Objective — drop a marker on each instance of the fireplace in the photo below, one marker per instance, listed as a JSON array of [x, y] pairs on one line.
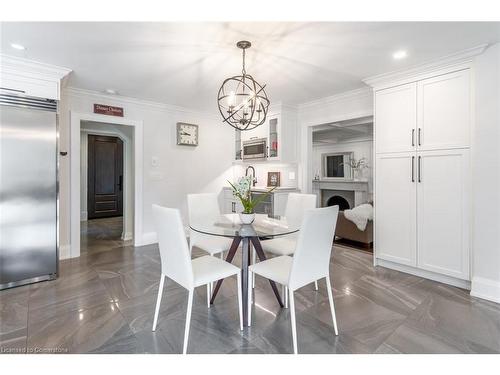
[[333, 197], [337, 200], [353, 191]]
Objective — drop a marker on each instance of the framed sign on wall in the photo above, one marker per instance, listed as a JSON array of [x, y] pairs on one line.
[[273, 179]]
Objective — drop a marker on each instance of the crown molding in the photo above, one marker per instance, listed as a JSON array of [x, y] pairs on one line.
[[347, 95], [164, 107], [397, 76], [26, 67]]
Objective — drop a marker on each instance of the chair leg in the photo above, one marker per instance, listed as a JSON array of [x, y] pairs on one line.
[[249, 312], [211, 284], [332, 305], [209, 294], [254, 259], [158, 301], [294, 326], [188, 321], [240, 302], [222, 255], [284, 295], [316, 285]]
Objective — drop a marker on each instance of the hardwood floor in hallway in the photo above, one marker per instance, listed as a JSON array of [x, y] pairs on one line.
[[102, 234], [103, 302]]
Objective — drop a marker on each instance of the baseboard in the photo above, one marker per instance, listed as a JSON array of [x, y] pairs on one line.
[[147, 239], [486, 289], [64, 252], [127, 236], [84, 216], [464, 284]]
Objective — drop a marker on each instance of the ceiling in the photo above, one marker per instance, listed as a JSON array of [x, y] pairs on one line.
[[343, 131], [185, 63]]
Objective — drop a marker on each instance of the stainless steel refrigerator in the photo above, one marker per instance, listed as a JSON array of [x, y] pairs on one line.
[[28, 189]]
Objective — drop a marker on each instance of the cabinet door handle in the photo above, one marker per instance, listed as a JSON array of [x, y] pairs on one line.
[[413, 169], [412, 137], [419, 136], [419, 169], [233, 206]]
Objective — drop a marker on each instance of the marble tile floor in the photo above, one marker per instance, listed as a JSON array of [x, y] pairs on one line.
[[103, 302]]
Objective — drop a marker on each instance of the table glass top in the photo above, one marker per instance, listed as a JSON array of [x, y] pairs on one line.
[[230, 226]]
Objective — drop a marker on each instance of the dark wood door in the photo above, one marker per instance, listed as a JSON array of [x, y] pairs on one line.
[[105, 176]]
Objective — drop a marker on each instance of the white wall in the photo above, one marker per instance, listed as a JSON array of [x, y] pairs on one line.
[[486, 171], [181, 169], [349, 105], [359, 148]]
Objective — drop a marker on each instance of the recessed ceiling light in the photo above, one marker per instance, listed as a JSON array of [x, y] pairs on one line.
[[111, 92], [18, 46], [398, 55]]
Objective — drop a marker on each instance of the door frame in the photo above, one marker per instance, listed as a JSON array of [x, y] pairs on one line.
[[75, 125]]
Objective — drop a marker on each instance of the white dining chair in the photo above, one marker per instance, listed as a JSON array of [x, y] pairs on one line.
[[204, 207], [177, 265], [296, 205], [310, 262]]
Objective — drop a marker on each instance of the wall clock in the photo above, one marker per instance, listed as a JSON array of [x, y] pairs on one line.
[[187, 134]]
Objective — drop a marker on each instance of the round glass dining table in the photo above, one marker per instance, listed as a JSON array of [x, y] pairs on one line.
[[230, 226]]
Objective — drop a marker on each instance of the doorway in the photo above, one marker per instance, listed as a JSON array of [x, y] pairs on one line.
[[106, 192], [133, 196]]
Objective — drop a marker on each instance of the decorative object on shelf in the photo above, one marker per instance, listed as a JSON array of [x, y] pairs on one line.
[[273, 179], [187, 134], [357, 166], [242, 101], [242, 191]]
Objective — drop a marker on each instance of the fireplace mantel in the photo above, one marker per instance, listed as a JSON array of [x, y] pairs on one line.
[[358, 190], [349, 185]]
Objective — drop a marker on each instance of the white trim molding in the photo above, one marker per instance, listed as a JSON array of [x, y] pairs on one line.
[[149, 238], [75, 210], [486, 289], [127, 236], [120, 100], [352, 94], [31, 68], [64, 252], [464, 284], [459, 60]]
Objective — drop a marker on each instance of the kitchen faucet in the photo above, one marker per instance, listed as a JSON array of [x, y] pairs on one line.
[[254, 180]]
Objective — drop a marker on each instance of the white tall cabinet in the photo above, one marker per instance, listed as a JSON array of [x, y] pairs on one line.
[[422, 175]]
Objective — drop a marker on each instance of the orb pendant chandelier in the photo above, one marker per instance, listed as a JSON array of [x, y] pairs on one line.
[[242, 101]]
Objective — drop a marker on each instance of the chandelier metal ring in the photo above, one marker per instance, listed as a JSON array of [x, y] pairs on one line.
[[242, 101]]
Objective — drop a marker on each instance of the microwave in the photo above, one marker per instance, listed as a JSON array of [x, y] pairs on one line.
[[254, 149]]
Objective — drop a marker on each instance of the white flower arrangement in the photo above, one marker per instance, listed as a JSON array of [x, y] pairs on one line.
[[242, 190]]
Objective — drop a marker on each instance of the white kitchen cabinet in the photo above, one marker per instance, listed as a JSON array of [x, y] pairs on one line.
[[395, 208], [443, 212], [422, 208], [396, 118], [31, 87], [280, 132], [258, 132], [444, 111]]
